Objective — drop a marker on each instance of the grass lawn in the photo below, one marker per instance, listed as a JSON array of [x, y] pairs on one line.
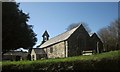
[[109, 61]]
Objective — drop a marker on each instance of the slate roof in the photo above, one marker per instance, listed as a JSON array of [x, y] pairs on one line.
[[59, 38], [39, 51], [96, 37], [16, 53]]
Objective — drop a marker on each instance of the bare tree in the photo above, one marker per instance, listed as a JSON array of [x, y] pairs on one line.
[[73, 25], [118, 28], [110, 36], [119, 32], [103, 33]]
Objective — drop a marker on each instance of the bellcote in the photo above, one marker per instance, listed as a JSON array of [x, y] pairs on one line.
[[45, 36]]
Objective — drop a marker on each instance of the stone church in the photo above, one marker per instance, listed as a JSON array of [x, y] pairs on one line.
[[71, 43]]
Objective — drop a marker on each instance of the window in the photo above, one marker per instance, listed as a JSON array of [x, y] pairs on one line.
[[82, 43], [33, 57], [51, 49]]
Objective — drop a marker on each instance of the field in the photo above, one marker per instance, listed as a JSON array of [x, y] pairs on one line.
[[104, 61]]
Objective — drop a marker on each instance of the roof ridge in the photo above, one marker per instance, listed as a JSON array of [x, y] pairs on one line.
[[63, 33], [60, 37]]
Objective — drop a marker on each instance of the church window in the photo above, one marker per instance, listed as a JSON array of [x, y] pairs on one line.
[[51, 49], [33, 57]]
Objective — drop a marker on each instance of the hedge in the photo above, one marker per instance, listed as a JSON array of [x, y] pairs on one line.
[[104, 61]]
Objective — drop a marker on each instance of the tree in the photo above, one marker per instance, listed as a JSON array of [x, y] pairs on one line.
[[119, 32], [110, 36], [73, 25], [117, 22], [16, 33]]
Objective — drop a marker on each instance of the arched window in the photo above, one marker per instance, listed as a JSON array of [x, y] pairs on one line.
[[82, 44], [51, 49], [33, 57]]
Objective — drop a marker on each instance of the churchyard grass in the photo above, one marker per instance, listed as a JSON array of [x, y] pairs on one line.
[[108, 60]]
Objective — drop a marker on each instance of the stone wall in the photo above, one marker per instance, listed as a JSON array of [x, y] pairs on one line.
[[56, 50], [78, 42], [96, 44], [33, 55]]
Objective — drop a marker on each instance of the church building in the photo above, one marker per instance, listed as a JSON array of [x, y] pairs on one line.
[[71, 43]]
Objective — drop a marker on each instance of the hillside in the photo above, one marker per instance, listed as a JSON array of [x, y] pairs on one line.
[[104, 61]]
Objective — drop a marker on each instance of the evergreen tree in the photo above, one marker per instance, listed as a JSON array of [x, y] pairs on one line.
[[16, 33]]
